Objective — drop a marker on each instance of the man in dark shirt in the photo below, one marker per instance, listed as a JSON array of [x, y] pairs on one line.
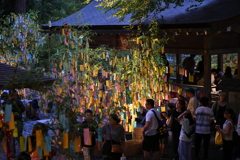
[[18, 109], [92, 125]]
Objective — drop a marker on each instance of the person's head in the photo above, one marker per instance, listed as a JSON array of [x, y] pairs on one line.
[[228, 70], [162, 117], [180, 97], [113, 119], [192, 55], [88, 114], [40, 126], [204, 101], [5, 96], [13, 94], [171, 107], [180, 105], [149, 104], [222, 97], [236, 72], [190, 92], [189, 117], [229, 114], [213, 71]]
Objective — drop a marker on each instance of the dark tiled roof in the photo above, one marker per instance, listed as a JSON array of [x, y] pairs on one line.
[[209, 11], [229, 84], [24, 78]]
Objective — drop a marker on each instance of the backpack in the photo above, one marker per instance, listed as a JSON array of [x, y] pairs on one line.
[[161, 128]]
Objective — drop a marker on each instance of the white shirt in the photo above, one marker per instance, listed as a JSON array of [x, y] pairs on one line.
[[230, 137], [186, 128], [203, 116], [192, 105], [152, 129], [212, 78]]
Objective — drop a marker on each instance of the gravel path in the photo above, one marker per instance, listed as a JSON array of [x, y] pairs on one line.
[[214, 152]]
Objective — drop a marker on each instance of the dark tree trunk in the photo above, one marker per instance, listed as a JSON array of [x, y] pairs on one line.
[[14, 6], [20, 6]]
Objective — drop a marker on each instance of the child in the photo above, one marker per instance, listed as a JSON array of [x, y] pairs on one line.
[[185, 143], [88, 150], [163, 139]]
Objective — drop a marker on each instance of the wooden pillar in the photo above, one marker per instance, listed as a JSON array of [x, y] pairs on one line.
[[178, 61], [114, 43], [207, 67], [20, 6], [220, 61], [238, 76]]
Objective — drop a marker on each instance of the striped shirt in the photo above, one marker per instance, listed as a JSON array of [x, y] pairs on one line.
[[203, 116]]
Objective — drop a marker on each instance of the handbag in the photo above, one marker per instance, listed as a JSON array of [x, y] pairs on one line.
[[116, 148], [218, 139]]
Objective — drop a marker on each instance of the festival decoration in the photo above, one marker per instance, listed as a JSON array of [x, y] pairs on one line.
[[104, 80]]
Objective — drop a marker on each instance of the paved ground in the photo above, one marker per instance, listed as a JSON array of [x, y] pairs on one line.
[[214, 152]]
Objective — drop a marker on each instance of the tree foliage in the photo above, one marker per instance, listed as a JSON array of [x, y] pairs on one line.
[[47, 9], [140, 9]]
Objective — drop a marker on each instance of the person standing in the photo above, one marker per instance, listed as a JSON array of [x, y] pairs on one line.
[[219, 107], [204, 117], [18, 109], [227, 132], [184, 147], [88, 149], [228, 73], [114, 134], [164, 138], [175, 126], [213, 74], [192, 106], [150, 133], [193, 102]]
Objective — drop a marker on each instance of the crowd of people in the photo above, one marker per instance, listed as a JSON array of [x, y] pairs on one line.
[[198, 71], [189, 121]]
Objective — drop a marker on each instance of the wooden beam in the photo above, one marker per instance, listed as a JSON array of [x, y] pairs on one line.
[[224, 50], [220, 61], [207, 67], [184, 51], [222, 25]]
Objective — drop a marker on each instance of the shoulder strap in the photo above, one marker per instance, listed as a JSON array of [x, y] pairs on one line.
[[156, 117], [155, 114]]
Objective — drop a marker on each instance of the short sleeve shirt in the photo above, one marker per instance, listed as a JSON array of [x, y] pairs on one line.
[[203, 116], [116, 134], [153, 126], [186, 128], [192, 105]]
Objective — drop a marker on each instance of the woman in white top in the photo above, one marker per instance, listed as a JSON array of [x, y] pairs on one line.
[[185, 138], [227, 132]]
